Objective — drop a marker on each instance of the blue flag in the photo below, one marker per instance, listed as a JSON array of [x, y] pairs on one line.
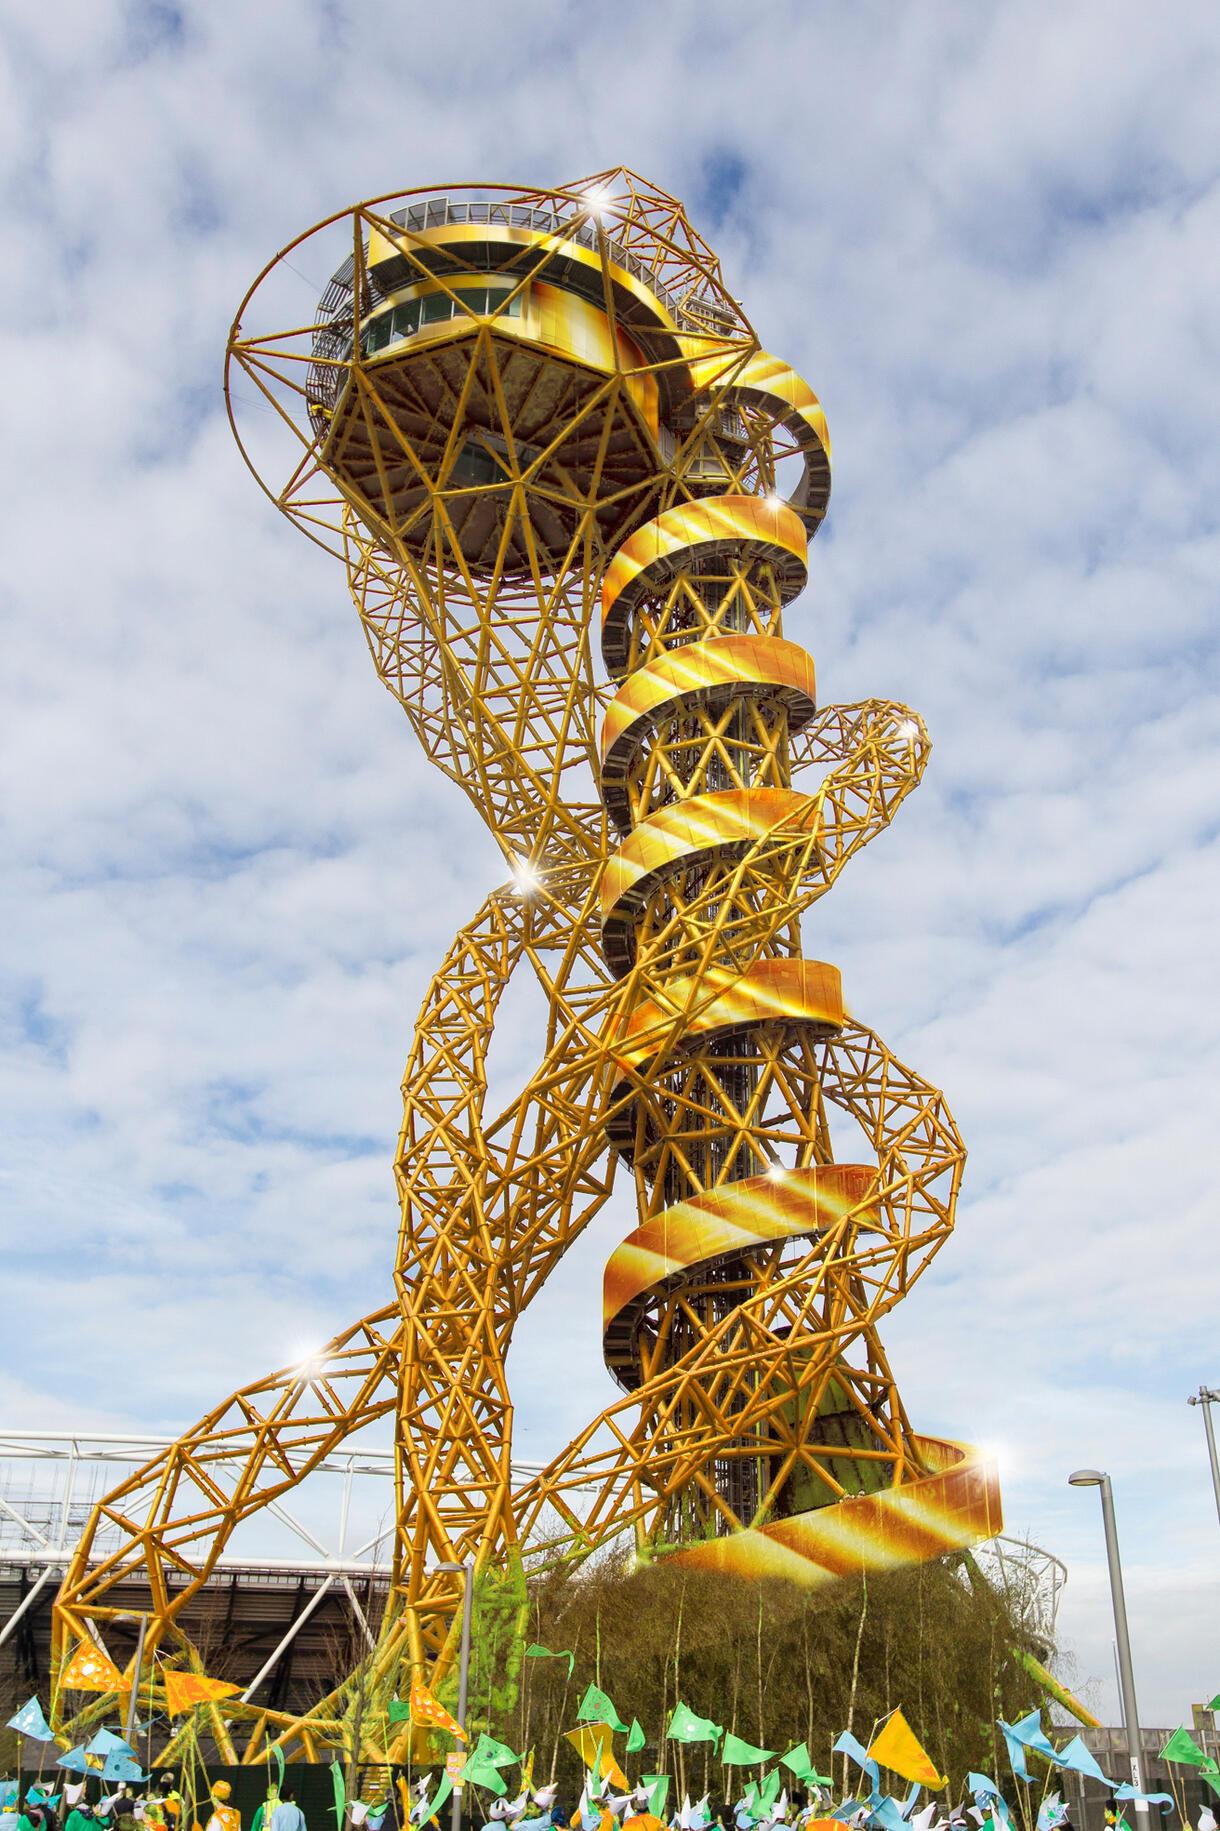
[[122, 1767], [1077, 1757], [105, 1742], [887, 1812], [76, 1761], [980, 1786], [1029, 1732], [847, 1745], [29, 1721], [1016, 1750], [1127, 1791]]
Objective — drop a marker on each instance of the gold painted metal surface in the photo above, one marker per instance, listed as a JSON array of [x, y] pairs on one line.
[[692, 835], [510, 409], [762, 531], [700, 681]]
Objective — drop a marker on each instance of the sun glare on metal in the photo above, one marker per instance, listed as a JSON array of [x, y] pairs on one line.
[[599, 198]]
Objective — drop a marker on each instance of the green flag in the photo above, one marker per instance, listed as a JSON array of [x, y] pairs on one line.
[[398, 1711], [1182, 1748], [485, 1760], [798, 1763], [685, 1726], [595, 1707], [440, 1796], [475, 1774], [340, 1790], [490, 1753], [658, 1793], [536, 1652], [736, 1753], [636, 1738], [1215, 1703], [769, 1791], [484, 1773], [278, 1752]]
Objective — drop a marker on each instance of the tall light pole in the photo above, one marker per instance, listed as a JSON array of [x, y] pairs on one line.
[[467, 1570], [1207, 1396], [1096, 1478]]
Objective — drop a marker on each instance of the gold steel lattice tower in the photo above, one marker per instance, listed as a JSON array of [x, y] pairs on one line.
[[521, 417]]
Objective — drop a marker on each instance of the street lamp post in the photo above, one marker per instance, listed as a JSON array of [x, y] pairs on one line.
[[1096, 1478], [1207, 1396], [467, 1570]]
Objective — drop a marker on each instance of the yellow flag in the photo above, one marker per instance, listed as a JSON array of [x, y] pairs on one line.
[[89, 1669], [593, 1742], [898, 1748], [183, 1690], [428, 1710]]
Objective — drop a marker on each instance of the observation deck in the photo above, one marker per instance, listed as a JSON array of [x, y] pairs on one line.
[[500, 344]]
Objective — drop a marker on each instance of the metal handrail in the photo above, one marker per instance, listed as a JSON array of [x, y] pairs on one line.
[[335, 337]]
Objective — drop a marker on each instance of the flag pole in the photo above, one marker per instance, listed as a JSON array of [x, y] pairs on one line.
[[134, 1698]]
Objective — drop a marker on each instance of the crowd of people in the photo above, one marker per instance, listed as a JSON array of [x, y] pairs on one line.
[[599, 1808]]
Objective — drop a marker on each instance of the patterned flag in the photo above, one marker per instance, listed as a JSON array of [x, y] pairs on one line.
[[89, 1669], [595, 1707], [427, 1710], [29, 1721], [183, 1690], [898, 1748], [122, 1767], [685, 1726]]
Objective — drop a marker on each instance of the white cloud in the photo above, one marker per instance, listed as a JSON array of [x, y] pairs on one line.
[[989, 237]]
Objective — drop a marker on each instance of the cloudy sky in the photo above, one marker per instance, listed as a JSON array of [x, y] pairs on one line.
[[989, 235]]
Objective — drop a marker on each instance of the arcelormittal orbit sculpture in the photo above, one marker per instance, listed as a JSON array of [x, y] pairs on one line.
[[525, 420]]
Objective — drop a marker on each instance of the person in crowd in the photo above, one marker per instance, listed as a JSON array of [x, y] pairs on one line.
[[287, 1815], [224, 1817], [81, 1817], [263, 1813]]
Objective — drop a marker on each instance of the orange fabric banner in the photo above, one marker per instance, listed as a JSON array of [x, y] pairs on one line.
[[425, 1709], [593, 1742], [89, 1669], [897, 1747], [183, 1690]]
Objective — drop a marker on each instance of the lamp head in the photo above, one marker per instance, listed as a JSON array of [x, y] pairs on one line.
[[1086, 1478]]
